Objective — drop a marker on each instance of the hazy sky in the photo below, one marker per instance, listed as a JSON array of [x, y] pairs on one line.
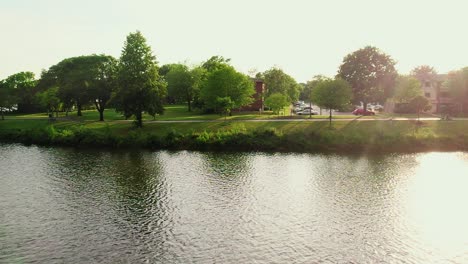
[[303, 37]]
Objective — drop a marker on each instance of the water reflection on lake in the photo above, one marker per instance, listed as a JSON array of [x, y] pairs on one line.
[[85, 206]]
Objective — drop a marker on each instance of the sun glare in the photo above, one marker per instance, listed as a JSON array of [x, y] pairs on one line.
[[436, 203]]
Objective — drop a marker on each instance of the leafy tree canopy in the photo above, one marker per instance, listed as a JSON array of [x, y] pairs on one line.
[[371, 74], [276, 102], [331, 94], [224, 105], [309, 86], [77, 79], [276, 81], [215, 63], [420, 103], [227, 82], [21, 86], [49, 99], [407, 88], [457, 84], [424, 72], [140, 86], [184, 84], [7, 97]]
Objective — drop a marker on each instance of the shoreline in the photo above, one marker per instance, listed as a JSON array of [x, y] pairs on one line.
[[306, 137]]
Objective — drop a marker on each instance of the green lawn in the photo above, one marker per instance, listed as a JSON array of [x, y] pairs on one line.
[[290, 135], [180, 113]]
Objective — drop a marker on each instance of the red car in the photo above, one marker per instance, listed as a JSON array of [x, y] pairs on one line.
[[360, 111]]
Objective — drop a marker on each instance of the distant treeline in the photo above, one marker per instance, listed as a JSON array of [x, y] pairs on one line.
[[134, 84]]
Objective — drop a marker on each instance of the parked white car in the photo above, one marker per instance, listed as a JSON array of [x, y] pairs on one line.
[[307, 112]]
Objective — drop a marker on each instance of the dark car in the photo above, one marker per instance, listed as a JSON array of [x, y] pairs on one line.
[[360, 111]]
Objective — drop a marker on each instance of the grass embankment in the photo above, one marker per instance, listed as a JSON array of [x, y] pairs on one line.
[[299, 136]]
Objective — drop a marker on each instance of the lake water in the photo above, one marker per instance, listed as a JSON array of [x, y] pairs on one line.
[[63, 205]]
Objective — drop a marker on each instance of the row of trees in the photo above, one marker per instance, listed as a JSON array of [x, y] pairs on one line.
[[134, 84]]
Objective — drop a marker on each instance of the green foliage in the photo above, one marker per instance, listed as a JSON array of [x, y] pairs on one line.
[[249, 136], [306, 92], [7, 97], [140, 86], [227, 82], [215, 63], [277, 102], [331, 94], [406, 89], [424, 73], [82, 80], [49, 99], [224, 105], [277, 81], [371, 74], [183, 84], [21, 85], [102, 82], [457, 84], [420, 103]]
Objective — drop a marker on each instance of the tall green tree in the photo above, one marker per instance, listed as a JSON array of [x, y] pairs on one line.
[[420, 104], [457, 84], [307, 87], [82, 80], [140, 86], [331, 94], [424, 72], [227, 82], [277, 102], [214, 63], [277, 81], [7, 97], [306, 93], [103, 82], [371, 74], [163, 70], [23, 86], [407, 88], [224, 105], [183, 83], [49, 100]]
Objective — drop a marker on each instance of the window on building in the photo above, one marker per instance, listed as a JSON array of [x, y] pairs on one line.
[[427, 84], [428, 95], [444, 94]]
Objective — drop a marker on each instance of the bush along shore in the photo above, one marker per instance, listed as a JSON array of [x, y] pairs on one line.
[[369, 136]]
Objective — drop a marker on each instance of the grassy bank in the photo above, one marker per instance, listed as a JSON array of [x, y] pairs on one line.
[[296, 136], [177, 113]]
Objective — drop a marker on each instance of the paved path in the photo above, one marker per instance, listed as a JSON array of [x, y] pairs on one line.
[[296, 120], [268, 120]]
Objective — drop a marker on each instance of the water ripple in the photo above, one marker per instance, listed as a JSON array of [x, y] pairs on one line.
[[86, 206]]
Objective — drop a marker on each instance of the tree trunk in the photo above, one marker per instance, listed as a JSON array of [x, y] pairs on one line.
[[3, 116], [56, 113], [78, 106], [364, 107], [139, 119], [101, 115], [330, 116], [100, 109], [310, 113], [189, 106]]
